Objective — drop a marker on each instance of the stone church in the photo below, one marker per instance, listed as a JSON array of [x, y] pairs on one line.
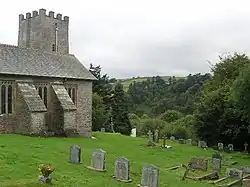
[[44, 89]]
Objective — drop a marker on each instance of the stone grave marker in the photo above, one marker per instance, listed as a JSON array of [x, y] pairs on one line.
[[245, 146], [122, 169], [150, 175], [156, 136], [194, 143], [217, 155], [172, 138], [75, 154], [233, 172], [199, 164], [230, 147], [181, 141], [98, 162], [202, 144], [150, 139], [189, 141], [216, 164], [220, 146], [246, 183], [102, 129]]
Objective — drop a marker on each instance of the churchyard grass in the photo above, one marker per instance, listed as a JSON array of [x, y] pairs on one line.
[[20, 157]]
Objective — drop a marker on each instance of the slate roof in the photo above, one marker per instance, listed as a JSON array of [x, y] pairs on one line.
[[64, 98], [31, 62], [32, 99]]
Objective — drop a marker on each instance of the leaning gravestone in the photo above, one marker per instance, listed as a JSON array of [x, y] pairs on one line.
[[235, 173], [230, 147], [199, 164], [220, 146], [202, 144], [75, 154], [150, 175], [122, 170], [246, 183], [156, 136], [181, 141], [102, 129], [189, 141], [150, 139], [98, 160], [172, 138]]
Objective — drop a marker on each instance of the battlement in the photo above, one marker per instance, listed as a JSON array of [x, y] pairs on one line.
[[41, 13]]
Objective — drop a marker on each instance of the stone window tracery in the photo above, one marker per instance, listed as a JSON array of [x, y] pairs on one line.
[[6, 97], [43, 93]]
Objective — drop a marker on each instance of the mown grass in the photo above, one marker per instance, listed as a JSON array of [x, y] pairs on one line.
[[20, 157], [126, 82]]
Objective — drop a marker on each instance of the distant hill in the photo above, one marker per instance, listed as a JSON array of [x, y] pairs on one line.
[[126, 82]]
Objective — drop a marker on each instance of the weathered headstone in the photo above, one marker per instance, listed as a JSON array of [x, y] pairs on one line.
[[172, 138], [133, 132], [199, 164], [150, 139], [98, 160], [150, 175], [122, 169], [181, 141], [189, 141], [102, 129], [216, 164], [246, 145], [202, 144], [230, 147], [75, 154], [194, 143], [156, 136], [235, 173], [246, 183], [220, 146]]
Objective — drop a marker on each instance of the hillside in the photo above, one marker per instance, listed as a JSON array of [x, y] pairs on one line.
[[21, 156], [126, 82]]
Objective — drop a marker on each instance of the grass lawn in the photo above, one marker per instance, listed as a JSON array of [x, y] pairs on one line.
[[20, 157]]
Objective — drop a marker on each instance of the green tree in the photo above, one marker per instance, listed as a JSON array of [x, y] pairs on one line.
[[171, 116], [120, 111]]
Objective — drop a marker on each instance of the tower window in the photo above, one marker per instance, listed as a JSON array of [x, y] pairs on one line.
[[53, 47]]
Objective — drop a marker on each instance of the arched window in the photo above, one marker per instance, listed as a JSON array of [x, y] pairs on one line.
[[40, 92], [45, 96], [3, 99], [9, 99], [73, 95]]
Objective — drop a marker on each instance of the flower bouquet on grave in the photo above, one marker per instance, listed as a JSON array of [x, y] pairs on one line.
[[46, 170]]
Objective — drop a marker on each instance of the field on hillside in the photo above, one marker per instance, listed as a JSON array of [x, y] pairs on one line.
[[128, 81], [20, 157]]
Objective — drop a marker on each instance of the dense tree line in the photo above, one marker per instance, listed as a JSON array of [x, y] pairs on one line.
[[213, 107]]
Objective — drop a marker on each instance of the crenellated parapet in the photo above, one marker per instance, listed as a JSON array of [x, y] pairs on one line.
[[42, 13]]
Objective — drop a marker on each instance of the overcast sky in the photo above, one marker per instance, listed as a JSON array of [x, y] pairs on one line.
[[144, 37]]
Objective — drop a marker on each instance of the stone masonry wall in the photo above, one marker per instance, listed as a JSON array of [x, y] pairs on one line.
[[84, 109]]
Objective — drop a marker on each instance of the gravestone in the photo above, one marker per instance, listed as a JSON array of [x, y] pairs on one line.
[[172, 138], [194, 143], [102, 129], [235, 173], [181, 141], [246, 183], [189, 141], [220, 146], [202, 144], [156, 136], [217, 155], [216, 164], [133, 132], [199, 164], [230, 147], [150, 139], [122, 170], [75, 154], [98, 160], [150, 175], [246, 145]]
